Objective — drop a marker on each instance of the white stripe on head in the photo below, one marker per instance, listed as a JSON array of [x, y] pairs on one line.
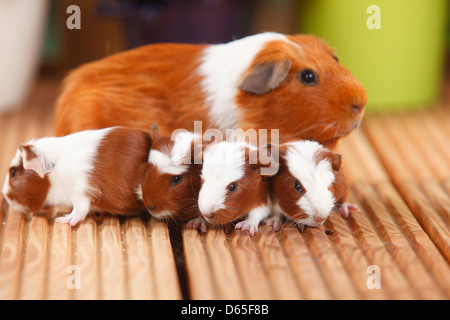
[[14, 163], [315, 178], [223, 163], [174, 160]]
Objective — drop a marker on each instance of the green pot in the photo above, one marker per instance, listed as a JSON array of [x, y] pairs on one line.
[[400, 64]]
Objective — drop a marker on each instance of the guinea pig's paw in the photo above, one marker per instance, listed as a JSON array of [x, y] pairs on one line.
[[346, 207], [197, 223], [64, 219], [275, 222], [249, 226], [71, 219]]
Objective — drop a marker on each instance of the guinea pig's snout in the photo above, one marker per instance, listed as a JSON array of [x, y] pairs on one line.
[[151, 209]]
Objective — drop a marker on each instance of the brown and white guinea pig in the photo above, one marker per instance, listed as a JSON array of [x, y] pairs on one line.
[[268, 80], [308, 185], [234, 185], [172, 179], [93, 170]]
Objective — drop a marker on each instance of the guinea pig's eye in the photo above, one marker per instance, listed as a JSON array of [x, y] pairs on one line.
[[176, 180], [12, 172], [298, 186], [232, 187], [308, 77]]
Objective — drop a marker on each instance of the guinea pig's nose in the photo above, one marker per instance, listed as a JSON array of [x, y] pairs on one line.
[[152, 209]]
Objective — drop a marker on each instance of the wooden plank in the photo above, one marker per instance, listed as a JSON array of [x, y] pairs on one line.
[[360, 161], [418, 239], [139, 274], [405, 179], [430, 221], [282, 279], [112, 271], [86, 260], [11, 256], [199, 274], [33, 275], [60, 260], [393, 281], [398, 245], [304, 265], [165, 272], [336, 277], [438, 135], [352, 256], [227, 282], [438, 197], [423, 145], [251, 268]]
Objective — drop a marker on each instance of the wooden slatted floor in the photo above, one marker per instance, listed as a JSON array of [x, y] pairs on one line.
[[398, 168]]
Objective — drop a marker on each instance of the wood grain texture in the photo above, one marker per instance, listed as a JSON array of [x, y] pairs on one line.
[[398, 170]]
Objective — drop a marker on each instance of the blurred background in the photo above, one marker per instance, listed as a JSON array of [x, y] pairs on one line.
[[398, 50]]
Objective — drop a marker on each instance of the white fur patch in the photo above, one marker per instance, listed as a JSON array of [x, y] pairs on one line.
[[222, 68], [73, 156], [138, 192], [316, 178], [223, 163], [162, 214], [6, 188], [72, 159], [174, 161]]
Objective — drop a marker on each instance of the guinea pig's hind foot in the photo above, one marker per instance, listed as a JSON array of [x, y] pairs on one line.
[[345, 208]]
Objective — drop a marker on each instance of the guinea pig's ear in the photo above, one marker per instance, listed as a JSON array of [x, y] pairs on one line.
[[336, 160], [35, 162], [154, 131], [265, 76]]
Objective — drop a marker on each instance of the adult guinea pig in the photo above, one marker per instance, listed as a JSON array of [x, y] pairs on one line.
[[172, 179], [93, 170], [234, 185], [264, 81], [308, 185]]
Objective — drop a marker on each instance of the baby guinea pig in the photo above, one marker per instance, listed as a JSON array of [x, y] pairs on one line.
[[234, 185], [172, 179], [94, 170], [308, 185], [267, 80]]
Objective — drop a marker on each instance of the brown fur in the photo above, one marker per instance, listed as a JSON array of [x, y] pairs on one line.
[[27, 188], [283, 193], [252, 191], [320, 112], [136, 88], [119, 168], [158, 192], [159, 84]]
